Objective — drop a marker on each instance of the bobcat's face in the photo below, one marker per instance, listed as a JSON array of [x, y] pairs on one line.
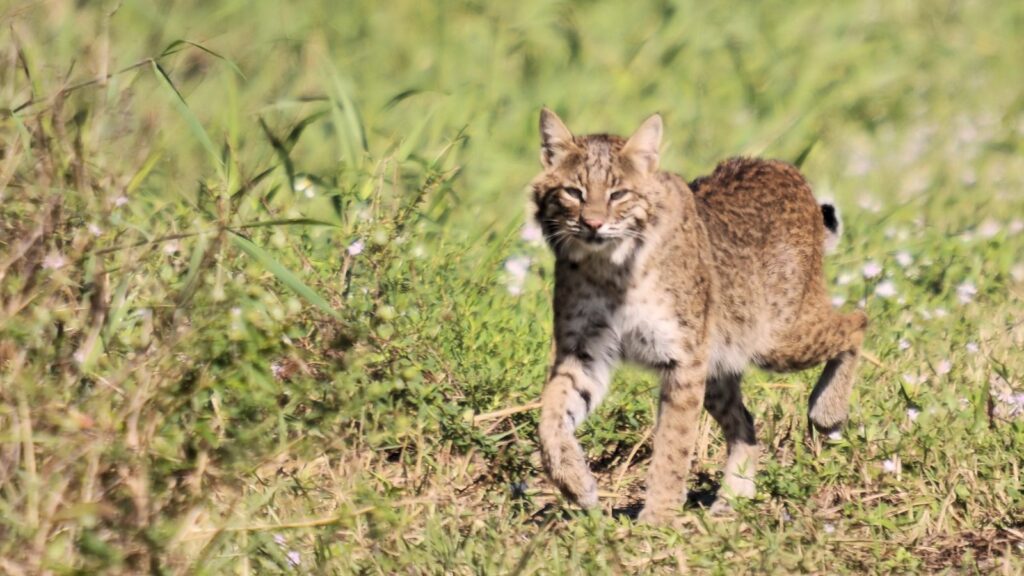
[[593, 193]]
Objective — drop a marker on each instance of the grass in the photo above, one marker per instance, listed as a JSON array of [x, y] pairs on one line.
[[255, 315]]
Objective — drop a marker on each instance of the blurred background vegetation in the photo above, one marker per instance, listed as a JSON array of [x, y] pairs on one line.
[[267, 302]]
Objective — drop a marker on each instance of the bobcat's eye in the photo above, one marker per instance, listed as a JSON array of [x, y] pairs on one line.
[[574, 193], [618, 195]]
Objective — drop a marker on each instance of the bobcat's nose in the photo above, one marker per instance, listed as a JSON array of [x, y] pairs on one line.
[[593, 223]]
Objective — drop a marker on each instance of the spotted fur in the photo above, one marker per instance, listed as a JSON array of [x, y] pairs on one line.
[[695, 281]]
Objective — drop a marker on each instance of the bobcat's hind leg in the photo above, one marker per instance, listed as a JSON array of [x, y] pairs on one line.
[[571, 393], [828, 337], [724, 401]]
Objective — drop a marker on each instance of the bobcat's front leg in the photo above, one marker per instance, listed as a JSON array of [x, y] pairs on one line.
[[675, 433], [573, 391]]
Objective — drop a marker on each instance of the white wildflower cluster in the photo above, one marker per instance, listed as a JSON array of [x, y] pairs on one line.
[[517, 268]]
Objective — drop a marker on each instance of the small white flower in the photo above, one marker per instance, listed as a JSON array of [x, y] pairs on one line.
[[871, 269], [120, 201], [904, 259], [835, 435], [279, 539], [829, 528], [54, 261], [356, 248], [515, 288], [844, 279], [277, 369], [294, 558], [989, 228], [911, 379], [94, 229], [889, 466], [903, 344], [171, 247], [913, 413], [972, 347], [941, 313], [531, 232], [236, 311], [305, 186], [869, 204], [1015, 227], [886, 289], [944, 367], [838, 301], [966, 292], [518, 266], [1017, 272]]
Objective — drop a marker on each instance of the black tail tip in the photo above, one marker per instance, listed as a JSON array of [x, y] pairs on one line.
[[831, 218]]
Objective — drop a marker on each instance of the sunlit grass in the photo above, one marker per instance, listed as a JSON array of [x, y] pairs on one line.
[[267, 303]]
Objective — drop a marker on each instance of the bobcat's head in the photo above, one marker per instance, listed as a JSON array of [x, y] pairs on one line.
[[593, 195]]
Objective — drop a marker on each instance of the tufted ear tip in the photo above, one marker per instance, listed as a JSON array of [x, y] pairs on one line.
[[555, 138], [643, 146]]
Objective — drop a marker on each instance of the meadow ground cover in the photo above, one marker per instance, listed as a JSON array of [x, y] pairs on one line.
[[268, 302]]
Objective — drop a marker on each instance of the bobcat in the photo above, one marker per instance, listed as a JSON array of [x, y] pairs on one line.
[[693, 281]]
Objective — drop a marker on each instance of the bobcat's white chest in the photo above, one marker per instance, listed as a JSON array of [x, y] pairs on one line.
[[647, 327]]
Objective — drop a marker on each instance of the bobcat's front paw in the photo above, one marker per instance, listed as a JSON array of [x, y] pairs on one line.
[[579, 486], [657, 515]]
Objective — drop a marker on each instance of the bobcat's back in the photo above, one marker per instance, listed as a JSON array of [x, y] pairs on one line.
[[767, 237]]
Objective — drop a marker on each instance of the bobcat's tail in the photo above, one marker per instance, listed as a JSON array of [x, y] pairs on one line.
[[833, 225]]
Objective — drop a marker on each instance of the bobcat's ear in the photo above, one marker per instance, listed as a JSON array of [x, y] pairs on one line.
[[555, 139], [642, 147]]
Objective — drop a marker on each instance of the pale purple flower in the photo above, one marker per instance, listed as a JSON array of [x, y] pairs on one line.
[[844, 279], [171, 247], [1016, 227], [94, 229], [294, 558], [941, 313], [1015, 401], [911, 379], [838, 301], [966, 292], [886, 289], [903, 344], [531, 232], [889, 466], [518, 266], [279, 539], [913, 413], [943, 367], [120, 201], [972, 347], [904, 259], [829, 528], [356, 248], [277, 369], [989, 228], [871, 269], [54, 261]]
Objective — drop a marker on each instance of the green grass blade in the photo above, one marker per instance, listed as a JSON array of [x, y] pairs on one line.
[[179, 45], [193, 123], [283, 274]]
